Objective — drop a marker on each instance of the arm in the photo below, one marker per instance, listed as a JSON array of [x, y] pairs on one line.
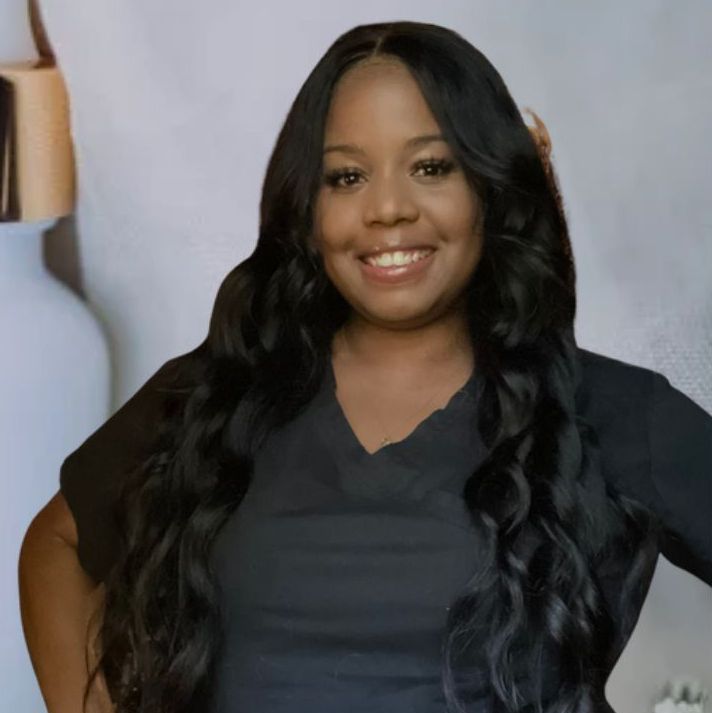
[[57, 599], [71, 545]]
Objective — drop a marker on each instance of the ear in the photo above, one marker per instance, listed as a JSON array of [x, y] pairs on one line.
[[540, 135], [543, 143]]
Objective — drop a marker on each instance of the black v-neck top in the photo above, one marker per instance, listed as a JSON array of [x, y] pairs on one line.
[[338, 567]]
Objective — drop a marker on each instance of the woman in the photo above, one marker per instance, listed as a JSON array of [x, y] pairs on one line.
[[389, 479]]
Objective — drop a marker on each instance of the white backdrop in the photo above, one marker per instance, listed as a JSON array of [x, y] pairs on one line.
[[175, 108]]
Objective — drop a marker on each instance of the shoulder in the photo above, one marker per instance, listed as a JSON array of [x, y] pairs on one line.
[[614, 398], [129, 423], [625, 399], [655, 446], [91, 474], [615, 391], [614, 378]]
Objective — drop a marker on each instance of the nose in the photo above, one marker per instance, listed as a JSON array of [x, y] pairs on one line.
[[388, 201]]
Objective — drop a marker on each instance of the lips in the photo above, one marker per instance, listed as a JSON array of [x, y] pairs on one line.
[[395, 248], [397, 275]]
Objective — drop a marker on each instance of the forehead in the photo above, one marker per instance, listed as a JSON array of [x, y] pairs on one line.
[[374, 97]]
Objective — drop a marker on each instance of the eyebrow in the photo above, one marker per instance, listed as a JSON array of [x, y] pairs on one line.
[[414, 141]]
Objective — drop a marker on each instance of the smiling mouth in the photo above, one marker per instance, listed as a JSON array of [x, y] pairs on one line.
[[396, 258], [395, 273]]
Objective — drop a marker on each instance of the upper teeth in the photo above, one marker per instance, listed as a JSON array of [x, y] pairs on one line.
[[399, 257]]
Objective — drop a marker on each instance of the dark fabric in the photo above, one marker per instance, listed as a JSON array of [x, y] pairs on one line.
[[338, 567], [90, 475]]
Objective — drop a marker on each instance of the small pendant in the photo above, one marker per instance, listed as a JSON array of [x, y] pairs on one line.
[[385, 441]]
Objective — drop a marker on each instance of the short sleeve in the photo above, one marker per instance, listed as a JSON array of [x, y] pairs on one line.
[[90, 475], [680, 442]]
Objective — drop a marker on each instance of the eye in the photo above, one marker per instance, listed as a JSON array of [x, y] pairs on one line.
[[437, 166], [441, 165], [332, 178]]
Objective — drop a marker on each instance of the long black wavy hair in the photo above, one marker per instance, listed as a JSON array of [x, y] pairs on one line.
[[538, 499]]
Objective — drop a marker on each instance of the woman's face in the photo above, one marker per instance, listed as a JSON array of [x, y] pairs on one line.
[[394, 192]]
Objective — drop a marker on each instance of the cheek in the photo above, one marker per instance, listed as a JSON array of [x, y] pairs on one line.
[[456, 213], [458, 222], [332, 227]]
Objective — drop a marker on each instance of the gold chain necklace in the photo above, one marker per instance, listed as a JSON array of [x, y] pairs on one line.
[[386, 439]]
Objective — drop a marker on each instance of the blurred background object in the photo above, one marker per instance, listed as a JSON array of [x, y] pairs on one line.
[[682, 694], [54, 362]]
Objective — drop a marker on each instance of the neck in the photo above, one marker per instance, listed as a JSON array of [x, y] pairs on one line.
[[441, 343]]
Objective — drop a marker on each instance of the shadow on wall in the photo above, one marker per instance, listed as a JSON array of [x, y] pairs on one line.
[[60, 254]]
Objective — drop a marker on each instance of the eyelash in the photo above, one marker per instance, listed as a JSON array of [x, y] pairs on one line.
[[332, 177]]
